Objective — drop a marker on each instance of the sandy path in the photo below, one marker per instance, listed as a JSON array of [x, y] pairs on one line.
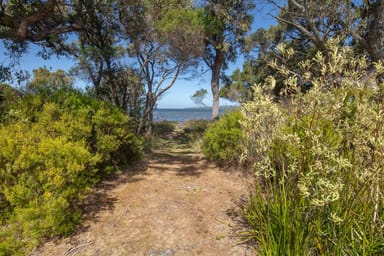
[[172, 203]]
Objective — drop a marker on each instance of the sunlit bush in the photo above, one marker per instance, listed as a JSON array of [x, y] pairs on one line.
[[319, 160], [222, 141], [52, 152]]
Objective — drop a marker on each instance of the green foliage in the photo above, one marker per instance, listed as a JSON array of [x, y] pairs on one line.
[[8, 97], [199, 96], [196, 127], [194, 132], [173, 18], [222, 141], [316, 156], [45, 80], [277, 223], [53, 151], [163, 129]]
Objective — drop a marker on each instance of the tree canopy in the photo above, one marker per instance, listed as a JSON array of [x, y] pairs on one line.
[[156, 42], [307, 26]]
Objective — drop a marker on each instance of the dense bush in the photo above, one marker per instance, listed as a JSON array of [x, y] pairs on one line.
[[319, 161], [8, 97], [52, 152], [222, 141]]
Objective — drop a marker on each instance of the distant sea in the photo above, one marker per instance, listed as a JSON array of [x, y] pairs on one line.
[[181, 115]]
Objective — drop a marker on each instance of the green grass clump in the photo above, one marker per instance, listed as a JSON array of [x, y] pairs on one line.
[[194, 130]]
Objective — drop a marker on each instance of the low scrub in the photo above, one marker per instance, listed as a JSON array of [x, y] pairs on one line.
[[318, 161], [222, 141], [163, 129], [194, 130], [52, 152]]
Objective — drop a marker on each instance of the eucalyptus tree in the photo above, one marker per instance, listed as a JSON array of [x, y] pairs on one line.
[[261, 49], [43, 78], [39, 20], [226, 23], [199, 96], [98, 48], [306, 26], [127, 91], [161, 37], [46, 23], [352, 21], [102, 59]]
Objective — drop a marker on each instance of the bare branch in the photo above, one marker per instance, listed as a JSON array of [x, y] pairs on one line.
[[171, 83]]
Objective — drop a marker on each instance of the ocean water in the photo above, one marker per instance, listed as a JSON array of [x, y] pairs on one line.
[[184, 114]]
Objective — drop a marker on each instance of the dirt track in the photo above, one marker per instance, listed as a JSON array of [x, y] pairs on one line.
[[170, 203]]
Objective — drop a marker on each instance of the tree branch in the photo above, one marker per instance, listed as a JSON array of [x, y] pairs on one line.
[[22, 30], [171, 83]]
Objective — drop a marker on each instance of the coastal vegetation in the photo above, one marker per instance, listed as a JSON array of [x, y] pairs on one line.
[[55, 145], [222, 142], [308, 134], [316, 159]]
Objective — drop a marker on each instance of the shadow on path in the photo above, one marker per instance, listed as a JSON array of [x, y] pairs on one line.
[[171, 202], [173, 154]]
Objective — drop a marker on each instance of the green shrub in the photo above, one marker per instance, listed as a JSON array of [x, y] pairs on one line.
[[163, 129], [222, 141], [193, 133], [317, 158], [52, 152], [194, 128], [8, 98]]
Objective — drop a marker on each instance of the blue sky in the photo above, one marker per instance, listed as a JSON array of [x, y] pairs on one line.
[[179, 96]]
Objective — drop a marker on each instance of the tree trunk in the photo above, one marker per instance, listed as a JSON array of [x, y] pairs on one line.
[[376, 33], [215, 82], [145, 126]]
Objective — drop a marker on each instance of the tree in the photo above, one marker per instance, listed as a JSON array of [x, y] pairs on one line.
[[199, 96], [98, 51], [159, 35], [47, 23], [100, 54], [359, 22], [45, 80], [165, 37], [262, 49], [38, 20], [162, 36], [127, 91], [238, 86], [307, 26], [226, 22]]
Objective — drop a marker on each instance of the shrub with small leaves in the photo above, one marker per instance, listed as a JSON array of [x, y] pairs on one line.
[[222, 141], [52, 152], [318, 159]]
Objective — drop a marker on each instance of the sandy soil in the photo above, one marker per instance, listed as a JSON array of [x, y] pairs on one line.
[[170, 203]]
